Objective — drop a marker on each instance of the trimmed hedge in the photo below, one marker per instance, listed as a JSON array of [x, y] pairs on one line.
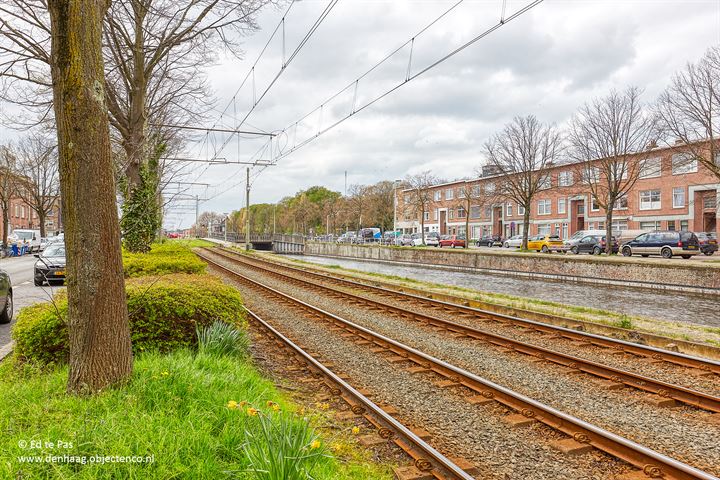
[[162, 259], [164, 315]]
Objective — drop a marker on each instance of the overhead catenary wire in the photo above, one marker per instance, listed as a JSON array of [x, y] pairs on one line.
[[408, 78]]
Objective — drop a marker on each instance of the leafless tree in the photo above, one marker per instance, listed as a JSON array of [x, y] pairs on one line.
[[7, 186], [358, 200], [607, 138], [98, 325], [381, 204], [689, 110], [471, 195], [37, 174], [420, 196], [521, 153]]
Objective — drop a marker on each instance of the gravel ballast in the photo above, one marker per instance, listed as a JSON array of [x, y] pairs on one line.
[[683, 433]]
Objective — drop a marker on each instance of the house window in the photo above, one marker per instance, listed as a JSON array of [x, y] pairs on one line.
[[565, 179], [449, 194], [545, 182], [621, 203], [521, 210], [426, 215], [436, 214], [489, 187], [475, 211], [475, 191], [544, 229], [564, 230], [591, 175], [508, 209], [650, 225], [488, 212], [561, 205], [678, 197], [619, 225], [684, 225], [461, 212], [451, 212], [650, 200], [594, 207], [544, 207], [683, 163], [651, 168], [461, 192], [671, 225], [437, 195]]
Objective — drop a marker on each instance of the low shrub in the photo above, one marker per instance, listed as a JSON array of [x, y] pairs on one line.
[[162, 259], [165, 313]]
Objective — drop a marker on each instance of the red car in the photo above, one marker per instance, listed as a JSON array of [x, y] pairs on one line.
[[452, 241]]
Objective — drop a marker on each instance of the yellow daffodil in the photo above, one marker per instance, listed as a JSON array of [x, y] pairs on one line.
[[164, 374], [335, 447], [355, 430], [252, 412], [276, 408], [232, 404], [315, 445]]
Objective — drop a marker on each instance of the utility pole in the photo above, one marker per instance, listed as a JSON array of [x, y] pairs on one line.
[[197, 214], [346, 183], [247, 207], [225, 228], [396, 185]]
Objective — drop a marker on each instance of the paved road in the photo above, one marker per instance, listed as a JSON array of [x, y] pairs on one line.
[[25, 292]]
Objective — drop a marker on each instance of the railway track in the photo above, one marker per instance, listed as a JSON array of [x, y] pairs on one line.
[[650, 463], [616, 376], [426, 458]]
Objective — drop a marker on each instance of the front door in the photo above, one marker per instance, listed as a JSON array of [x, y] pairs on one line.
[[443, 226]]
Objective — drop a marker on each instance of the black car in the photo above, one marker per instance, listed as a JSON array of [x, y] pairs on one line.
[[50, 266], [490, 241], [6, 297], [594, 245], [708, 243]]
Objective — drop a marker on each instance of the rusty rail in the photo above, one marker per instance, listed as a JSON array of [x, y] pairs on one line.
[[652, 463], [641, 382]]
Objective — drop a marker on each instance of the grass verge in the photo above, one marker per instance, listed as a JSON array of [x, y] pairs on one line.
[[183, 415]]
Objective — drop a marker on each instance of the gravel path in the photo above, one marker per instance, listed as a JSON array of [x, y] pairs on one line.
[[666, 372], [475, 433], [683, 433]]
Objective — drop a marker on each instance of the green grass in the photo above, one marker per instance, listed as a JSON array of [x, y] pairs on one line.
[[175, 410]]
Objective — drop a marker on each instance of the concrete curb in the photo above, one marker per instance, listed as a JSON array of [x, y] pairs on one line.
[[6, 350]]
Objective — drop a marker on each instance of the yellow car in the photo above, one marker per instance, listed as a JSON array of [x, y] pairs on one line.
[[545, 243]]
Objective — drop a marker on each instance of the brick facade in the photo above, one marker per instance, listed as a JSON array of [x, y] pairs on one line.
[[21, 216], [669, 195]]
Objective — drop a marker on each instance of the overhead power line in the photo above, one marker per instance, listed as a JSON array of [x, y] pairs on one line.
[[408, 77]]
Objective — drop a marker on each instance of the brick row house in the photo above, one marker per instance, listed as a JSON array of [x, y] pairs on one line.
[[673, 192], [21, 216]]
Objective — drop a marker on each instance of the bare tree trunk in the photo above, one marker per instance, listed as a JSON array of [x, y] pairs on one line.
[[100, 349], [467, 227], [41, 219], [608, 227], [6, 224], [526, 227]]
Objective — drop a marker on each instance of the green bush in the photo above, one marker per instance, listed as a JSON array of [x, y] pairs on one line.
[[163, 258], [165, 313]]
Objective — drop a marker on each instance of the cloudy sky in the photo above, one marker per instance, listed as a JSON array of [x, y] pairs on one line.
[[546, 62]]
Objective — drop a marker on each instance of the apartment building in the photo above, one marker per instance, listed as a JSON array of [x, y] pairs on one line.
[[673, 192], [21, 216]]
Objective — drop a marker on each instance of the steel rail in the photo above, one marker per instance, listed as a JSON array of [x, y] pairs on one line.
[[427, 458], [655, 353], [652, 463], [641, 382]]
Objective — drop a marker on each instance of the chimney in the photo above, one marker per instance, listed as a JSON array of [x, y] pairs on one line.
[[652, 145]]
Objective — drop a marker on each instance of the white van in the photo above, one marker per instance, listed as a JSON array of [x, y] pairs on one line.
[[31, 238]]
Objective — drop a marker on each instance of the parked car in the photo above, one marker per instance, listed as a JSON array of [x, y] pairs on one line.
[[50, 265], [708, 243], [489, 241], [452, 241], [404, 240], [432, 239], [545, 243], [514, 241], [44, 241], [577, 236], [663, 243], [347, 237], [6, 297], [368, 235], [389, 238], [594, 245]]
